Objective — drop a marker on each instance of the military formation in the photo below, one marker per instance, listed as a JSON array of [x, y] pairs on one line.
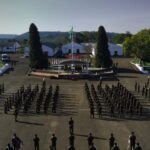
[[119, 101], [144, 90], [24, 99]]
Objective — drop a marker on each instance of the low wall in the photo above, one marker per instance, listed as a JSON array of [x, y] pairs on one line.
[[4, 69], [140, 68], [66, 75]]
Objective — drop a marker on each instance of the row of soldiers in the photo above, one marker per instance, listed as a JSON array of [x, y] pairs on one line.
[[145, 89], [16, 141], [28, 97], [2, 88], [90, 100], [47, 101], [55, 99], [40, 97], [96, 100], [14, 99], [93, 99], [120, 100]]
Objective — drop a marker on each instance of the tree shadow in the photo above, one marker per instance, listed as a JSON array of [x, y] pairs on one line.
[[67, 105], [127, 70], [121, 76], [30, 123], [95, 137]]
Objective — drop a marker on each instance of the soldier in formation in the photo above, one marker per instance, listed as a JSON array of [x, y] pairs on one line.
[[71, 126], [93, 99], [90, 139], [53, 142], [16, 142], [36, 141], [111, 141]]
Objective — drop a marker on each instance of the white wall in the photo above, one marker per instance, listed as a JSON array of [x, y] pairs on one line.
[[8, 49], [13, 48], [45, 48], [115, 47], [67, 47], [112, 49]]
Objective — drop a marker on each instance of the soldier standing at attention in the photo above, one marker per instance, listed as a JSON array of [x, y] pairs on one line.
[[111, 141], [36, 141], [53, 140], [71, 126], [90, 139]]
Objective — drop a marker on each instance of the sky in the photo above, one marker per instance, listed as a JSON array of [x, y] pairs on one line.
[[84, 15]]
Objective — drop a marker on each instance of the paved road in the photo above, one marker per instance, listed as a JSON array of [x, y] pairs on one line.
[[73, 103]]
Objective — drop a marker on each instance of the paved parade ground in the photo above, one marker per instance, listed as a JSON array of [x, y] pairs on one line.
[[73, 103]]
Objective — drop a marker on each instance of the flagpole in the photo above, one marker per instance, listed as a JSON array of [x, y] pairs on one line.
[[72, 45]]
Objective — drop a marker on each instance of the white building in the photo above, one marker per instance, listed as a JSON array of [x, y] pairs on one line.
[[77, 48], [115, 49], [13, 47], [46, 49]]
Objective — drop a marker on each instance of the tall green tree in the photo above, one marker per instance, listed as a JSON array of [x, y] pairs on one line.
[[120, 37], [79, 37], [127, 47], [103, 58], [35, 54], [138, 45], [45, 61]]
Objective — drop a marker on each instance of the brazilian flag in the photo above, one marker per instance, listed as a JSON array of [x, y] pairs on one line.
[[71, 34]]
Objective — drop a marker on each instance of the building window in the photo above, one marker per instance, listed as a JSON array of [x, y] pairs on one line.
[[116, 53], [69, 51], [78, 51]]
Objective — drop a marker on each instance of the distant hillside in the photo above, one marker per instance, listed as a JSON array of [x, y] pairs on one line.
[[43, 34], [58, 37], [7, 36]]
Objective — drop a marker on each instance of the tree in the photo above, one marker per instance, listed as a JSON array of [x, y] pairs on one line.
[[139, 45], [45, 61], [120, 37], [79, 38], [36, 54], [127, 47], [103, 58]]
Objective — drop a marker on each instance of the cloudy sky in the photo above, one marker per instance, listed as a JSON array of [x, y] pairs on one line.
[[61, 15]]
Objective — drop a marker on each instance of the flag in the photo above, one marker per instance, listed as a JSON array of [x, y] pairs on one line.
[[71, 34]]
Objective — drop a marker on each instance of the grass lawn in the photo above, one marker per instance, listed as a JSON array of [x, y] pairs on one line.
[[1, 64], [146, 63], [137, 61]]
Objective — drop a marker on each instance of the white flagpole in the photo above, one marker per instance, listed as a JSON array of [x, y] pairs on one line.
[[72, 45]]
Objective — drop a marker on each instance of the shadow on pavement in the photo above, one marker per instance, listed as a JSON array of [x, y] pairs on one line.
[[127, 70], [31, 123], [95, 137]]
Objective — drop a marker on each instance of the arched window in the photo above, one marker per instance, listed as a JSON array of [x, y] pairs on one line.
[[78, 51], [115, 53], [69, 51]]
